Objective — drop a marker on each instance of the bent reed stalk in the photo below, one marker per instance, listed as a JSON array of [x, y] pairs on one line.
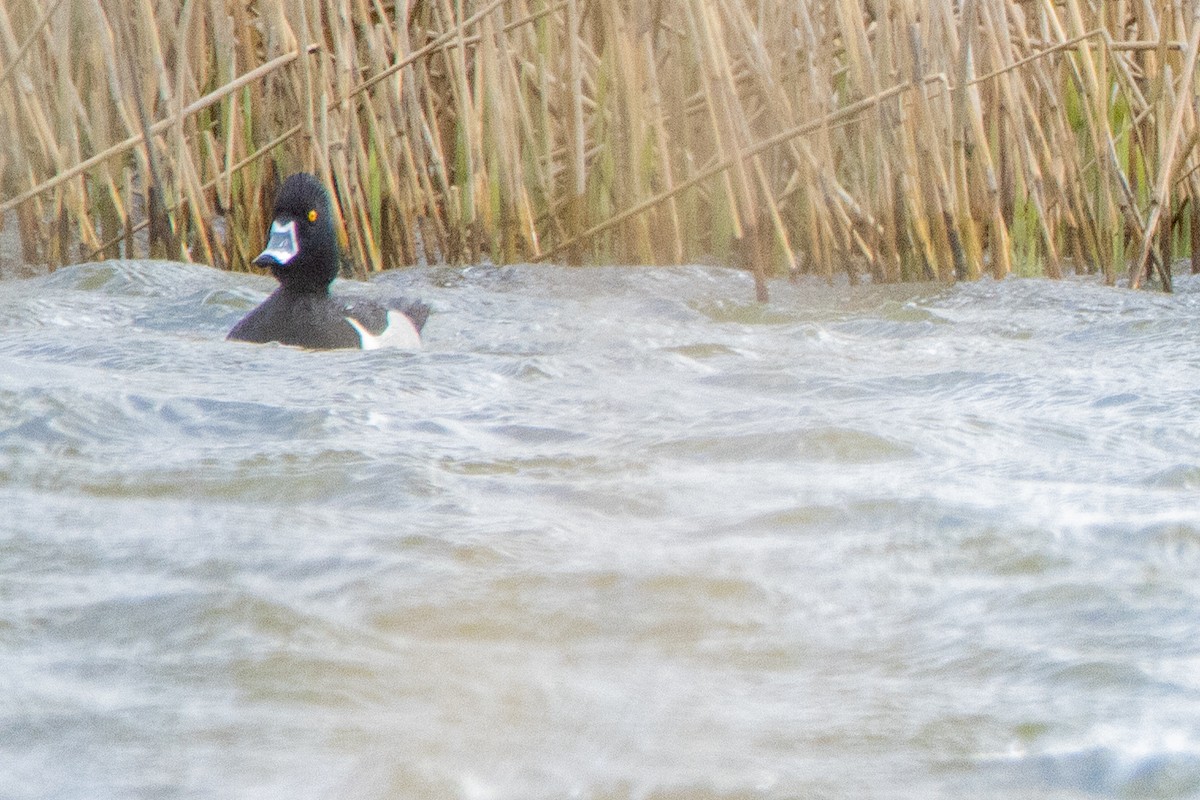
[[937, 139]]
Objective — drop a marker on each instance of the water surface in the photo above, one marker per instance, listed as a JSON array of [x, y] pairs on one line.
[[615, 533]]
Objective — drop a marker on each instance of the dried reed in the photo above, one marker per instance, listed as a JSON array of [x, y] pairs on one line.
[[900, 139]]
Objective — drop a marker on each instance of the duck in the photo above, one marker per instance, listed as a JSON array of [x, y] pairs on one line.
[[302, 253]]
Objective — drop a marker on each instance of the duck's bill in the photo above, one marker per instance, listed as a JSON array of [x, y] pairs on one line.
[[282, 246]]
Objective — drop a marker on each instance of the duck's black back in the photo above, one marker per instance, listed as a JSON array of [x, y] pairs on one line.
[[300, 319]]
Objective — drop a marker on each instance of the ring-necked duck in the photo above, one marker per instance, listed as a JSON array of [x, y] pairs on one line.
[[302, 253]]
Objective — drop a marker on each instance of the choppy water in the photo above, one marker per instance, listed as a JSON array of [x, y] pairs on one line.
[[615, 533]]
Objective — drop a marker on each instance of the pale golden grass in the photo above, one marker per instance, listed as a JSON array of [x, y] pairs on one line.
[[900, 140]]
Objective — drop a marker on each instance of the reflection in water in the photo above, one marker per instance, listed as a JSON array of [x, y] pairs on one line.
[[611, 534]]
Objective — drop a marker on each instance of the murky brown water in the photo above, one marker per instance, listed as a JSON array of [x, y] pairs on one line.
[[615, 533]]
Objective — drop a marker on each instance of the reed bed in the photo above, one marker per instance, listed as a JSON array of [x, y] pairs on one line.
[[927, 139]]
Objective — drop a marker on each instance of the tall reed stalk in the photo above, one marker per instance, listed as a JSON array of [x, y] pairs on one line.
[[902, 139]]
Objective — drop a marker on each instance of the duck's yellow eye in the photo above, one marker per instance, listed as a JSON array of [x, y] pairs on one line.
[[312, 215]]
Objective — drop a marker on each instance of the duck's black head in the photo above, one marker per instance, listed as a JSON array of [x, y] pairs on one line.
[[302, 249]]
